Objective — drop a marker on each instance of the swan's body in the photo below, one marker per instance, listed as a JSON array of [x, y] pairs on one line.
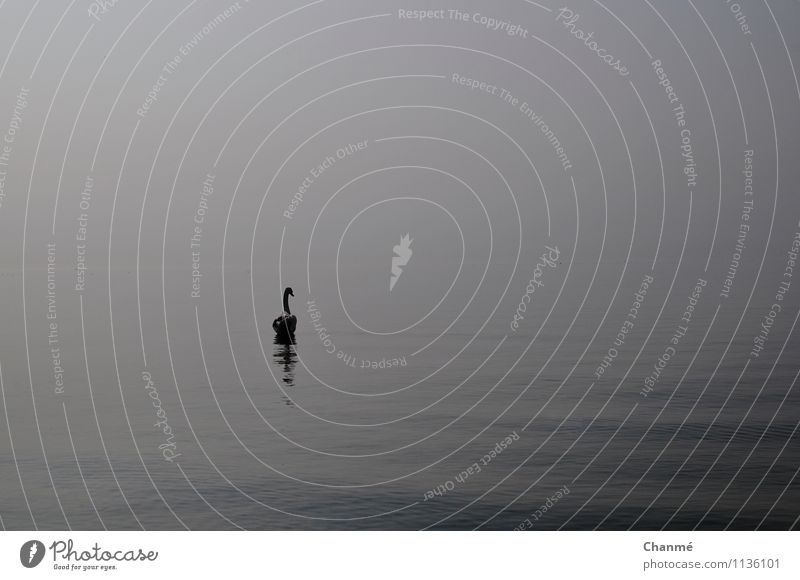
[[285, 324]]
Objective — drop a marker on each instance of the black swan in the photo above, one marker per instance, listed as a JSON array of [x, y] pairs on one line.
[[285, 324]]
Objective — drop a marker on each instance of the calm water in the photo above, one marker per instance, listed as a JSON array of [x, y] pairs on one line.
[[265, 444]]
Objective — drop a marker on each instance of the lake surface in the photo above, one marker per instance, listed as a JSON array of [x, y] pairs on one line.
[[297, 438]]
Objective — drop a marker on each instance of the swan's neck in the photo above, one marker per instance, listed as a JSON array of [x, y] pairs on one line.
[[286, 303]]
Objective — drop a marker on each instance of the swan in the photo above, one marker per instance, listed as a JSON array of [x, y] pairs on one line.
[[285, 324]]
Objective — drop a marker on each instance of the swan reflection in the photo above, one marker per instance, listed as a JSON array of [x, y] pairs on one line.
[[285, 358]]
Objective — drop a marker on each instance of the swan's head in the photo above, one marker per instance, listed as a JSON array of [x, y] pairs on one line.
[[289, 292]]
